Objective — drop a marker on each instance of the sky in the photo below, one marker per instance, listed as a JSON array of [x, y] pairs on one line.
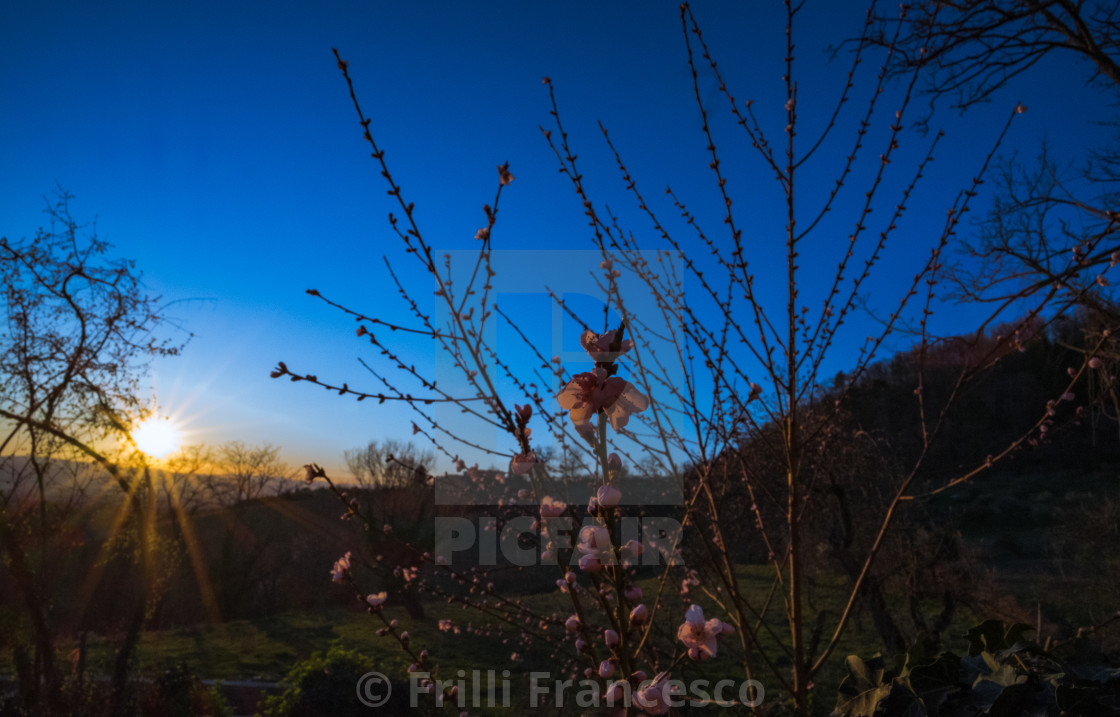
[[216, 145]]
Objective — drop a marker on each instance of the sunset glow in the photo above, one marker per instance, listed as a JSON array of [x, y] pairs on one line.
[[157, 437]]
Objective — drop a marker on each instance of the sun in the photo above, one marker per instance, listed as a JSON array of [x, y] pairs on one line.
[[158, 437]]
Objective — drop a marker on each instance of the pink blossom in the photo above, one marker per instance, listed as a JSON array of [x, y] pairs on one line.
[[633, 549], [698, 635], [610, 637], [614, 463], [598, 346], [639, 615], [572, 624], [552, 508], [1094, 363], [482, 234], [756, 391], [654, 697], [606, 669], [504, 175], [522, 463], [445, 626], [376, 600], [608, 496], [587, 432], [341, 568], [594, 540], [590, 564], [313, 472], [589, 392], [617, 692]]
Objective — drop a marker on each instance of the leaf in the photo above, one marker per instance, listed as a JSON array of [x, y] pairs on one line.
[[863, 689], [983, 636], [1005, 675], [993, 636], [935, 681], [975, 666], [1015, 634], [866, 673]]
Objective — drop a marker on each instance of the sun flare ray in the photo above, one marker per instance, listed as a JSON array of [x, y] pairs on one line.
[[157, 437]]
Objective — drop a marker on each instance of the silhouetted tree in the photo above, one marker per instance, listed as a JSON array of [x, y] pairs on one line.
[[390, 463], [79, 329]]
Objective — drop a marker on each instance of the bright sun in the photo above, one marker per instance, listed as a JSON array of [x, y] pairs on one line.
[[157, 437]]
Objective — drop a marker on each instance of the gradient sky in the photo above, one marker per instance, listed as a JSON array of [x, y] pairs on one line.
[[216, 145]]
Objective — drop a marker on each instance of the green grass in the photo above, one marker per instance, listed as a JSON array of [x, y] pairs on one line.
[[266, 648]]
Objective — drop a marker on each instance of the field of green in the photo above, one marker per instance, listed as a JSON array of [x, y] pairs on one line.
[[265, 649]]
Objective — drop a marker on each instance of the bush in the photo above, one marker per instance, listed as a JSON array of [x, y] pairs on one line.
[[1003, 674], [179, 693], [327, 683]]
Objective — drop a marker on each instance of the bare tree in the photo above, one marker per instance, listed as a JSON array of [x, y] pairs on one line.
[[78, 331], [185, 480], [1052, 232], [972, 48], [243, 472], [390, 463]]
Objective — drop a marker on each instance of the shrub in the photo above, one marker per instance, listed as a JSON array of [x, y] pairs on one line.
[[327, 684]]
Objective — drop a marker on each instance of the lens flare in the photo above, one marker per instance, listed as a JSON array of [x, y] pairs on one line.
[[158, 437]]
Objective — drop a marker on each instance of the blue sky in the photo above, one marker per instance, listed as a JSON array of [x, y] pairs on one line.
[[216, 145]]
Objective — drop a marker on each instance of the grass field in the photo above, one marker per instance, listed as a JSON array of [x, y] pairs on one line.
[[264, 649]]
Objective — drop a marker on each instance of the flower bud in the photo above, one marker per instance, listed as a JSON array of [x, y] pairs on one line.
[[608, 496]]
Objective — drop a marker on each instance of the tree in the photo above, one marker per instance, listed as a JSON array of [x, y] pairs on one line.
[[1051, 235], [79, 330], [243, 472], [390, 464], [972, 48], [741, 359]]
